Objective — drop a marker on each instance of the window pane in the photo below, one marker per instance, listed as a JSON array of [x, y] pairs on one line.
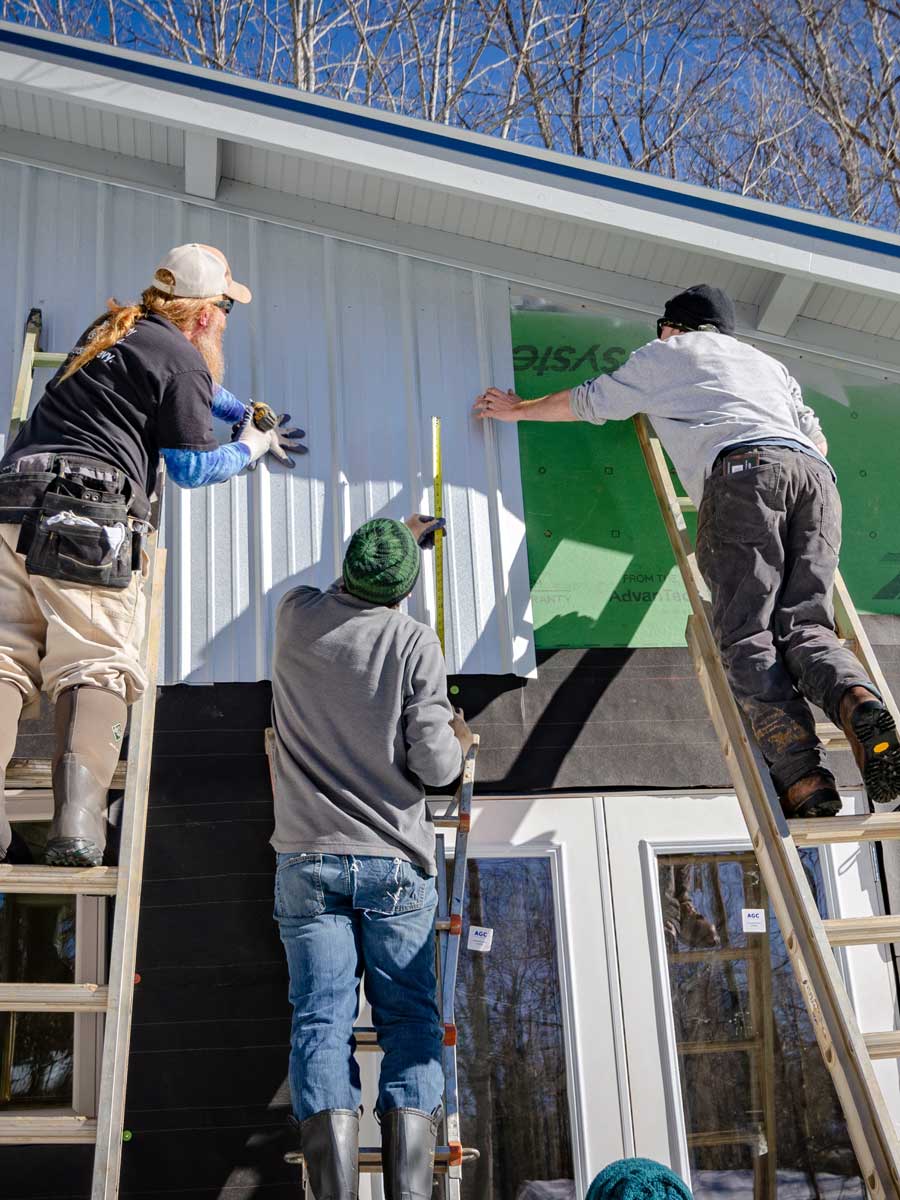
[[762, 1116], [37, 945], [512, 1067]]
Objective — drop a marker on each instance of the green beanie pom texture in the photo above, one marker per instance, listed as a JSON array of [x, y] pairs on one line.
[[382, 562], [638, 1179]]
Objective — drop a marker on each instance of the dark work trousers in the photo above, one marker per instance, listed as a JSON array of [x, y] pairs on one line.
[[768, 537]]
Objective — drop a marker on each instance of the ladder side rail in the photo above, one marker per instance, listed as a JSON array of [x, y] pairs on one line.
[[117, 1034], [869, 1124], [25, 377], [458, 890], [834, 1022], [850, 626], [457, 901]]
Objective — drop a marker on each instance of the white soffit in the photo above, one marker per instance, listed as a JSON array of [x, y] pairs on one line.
[[519, 178], [362, 347]]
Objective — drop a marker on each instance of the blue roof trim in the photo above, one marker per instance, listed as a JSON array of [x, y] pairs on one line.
[[288, 102]]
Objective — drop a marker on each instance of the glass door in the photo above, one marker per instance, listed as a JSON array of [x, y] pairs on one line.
[[742, 1102], [538, 1071]]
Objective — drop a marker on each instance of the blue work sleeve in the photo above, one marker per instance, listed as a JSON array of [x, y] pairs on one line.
[[226, 406], [196, 468]]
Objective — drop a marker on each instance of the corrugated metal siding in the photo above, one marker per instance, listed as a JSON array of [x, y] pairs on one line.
[[362, 347]]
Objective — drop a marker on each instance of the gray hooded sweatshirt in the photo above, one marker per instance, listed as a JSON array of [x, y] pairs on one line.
[[361, 715], [703, 392]]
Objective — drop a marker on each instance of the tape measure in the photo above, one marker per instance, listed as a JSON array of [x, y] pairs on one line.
[[439, 535]]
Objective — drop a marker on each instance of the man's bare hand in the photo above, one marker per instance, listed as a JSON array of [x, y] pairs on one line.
[[463, 733], [498, 405]]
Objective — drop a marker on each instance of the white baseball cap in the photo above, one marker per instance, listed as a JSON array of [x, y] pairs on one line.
[[199, 272]]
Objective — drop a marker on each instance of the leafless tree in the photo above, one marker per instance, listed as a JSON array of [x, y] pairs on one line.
[[795, 101]]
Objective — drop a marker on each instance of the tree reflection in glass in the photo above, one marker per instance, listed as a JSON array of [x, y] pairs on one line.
[[512, 1066], [762, 1117], [37, 945]]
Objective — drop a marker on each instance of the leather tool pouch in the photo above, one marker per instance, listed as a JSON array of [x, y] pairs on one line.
[[81, 533]]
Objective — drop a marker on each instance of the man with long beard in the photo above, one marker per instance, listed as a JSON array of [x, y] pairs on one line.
[[75, 490]]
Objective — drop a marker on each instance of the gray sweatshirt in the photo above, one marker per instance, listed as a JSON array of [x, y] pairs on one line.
[[361, 715], [703, 392]]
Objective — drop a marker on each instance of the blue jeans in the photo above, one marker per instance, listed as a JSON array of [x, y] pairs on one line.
[[339, 916]]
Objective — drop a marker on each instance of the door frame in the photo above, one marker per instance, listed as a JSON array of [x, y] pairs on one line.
[[642, 827]]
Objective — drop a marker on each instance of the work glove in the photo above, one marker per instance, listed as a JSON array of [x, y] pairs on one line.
[[423, 528], [279, 441]]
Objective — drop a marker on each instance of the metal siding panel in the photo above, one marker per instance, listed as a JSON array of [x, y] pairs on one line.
[[361, 346]]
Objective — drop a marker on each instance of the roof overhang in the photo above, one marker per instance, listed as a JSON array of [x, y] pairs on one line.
[[543, 219]]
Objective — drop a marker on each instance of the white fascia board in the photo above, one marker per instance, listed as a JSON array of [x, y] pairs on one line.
[[450, 168]]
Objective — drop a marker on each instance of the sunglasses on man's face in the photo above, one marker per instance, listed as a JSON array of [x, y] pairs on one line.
[[226, 305], [662, 323]]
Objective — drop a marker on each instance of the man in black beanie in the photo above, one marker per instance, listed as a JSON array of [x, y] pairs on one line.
[[751, 455]]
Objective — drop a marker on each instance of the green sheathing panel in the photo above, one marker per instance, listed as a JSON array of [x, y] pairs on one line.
[[602, 573]]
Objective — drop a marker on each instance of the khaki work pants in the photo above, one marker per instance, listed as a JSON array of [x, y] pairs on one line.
[[56, 635]]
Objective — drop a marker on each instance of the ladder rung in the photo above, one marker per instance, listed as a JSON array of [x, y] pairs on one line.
[[883, 1045], [47, 358], [370, 1158], [366, 1037], [36, 773], [446, 822], [863, 931], [29, 804], [53, 997], [686, 504], [746, 1046], [864, 827], [33, 1128], [58, 881], [832, 737]]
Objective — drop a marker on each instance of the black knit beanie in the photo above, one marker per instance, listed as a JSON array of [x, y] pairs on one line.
[[382, 562], [701, 305]]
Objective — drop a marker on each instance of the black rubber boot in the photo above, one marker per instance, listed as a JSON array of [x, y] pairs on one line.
[[407, 1153], [330, 1144], [90, 723], [10, 711]]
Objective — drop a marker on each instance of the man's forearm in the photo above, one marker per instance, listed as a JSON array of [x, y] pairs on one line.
[[556, 406]]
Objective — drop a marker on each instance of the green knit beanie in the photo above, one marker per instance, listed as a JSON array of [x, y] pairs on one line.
[[382, 562]]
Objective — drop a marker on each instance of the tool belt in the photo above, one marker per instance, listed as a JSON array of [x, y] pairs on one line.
[[76, 523]]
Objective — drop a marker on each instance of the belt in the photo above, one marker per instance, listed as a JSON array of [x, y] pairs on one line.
[[55, 463], [737, 448]]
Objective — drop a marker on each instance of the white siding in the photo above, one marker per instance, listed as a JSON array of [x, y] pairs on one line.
[[362, 347]]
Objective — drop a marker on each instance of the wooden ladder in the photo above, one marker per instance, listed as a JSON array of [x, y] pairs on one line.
[[847, 1052], [28, 784]]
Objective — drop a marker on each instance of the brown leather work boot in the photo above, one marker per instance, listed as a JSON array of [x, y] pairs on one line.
[[812, 796], [872, 735]]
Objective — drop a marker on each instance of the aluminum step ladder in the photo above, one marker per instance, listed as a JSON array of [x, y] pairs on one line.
[[30, 781], [450, 1154], [847, 1051]]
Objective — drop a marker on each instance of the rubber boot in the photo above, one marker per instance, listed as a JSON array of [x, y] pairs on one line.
[[330, 1144], [90, 723], [407, 1153], [10, 710]]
